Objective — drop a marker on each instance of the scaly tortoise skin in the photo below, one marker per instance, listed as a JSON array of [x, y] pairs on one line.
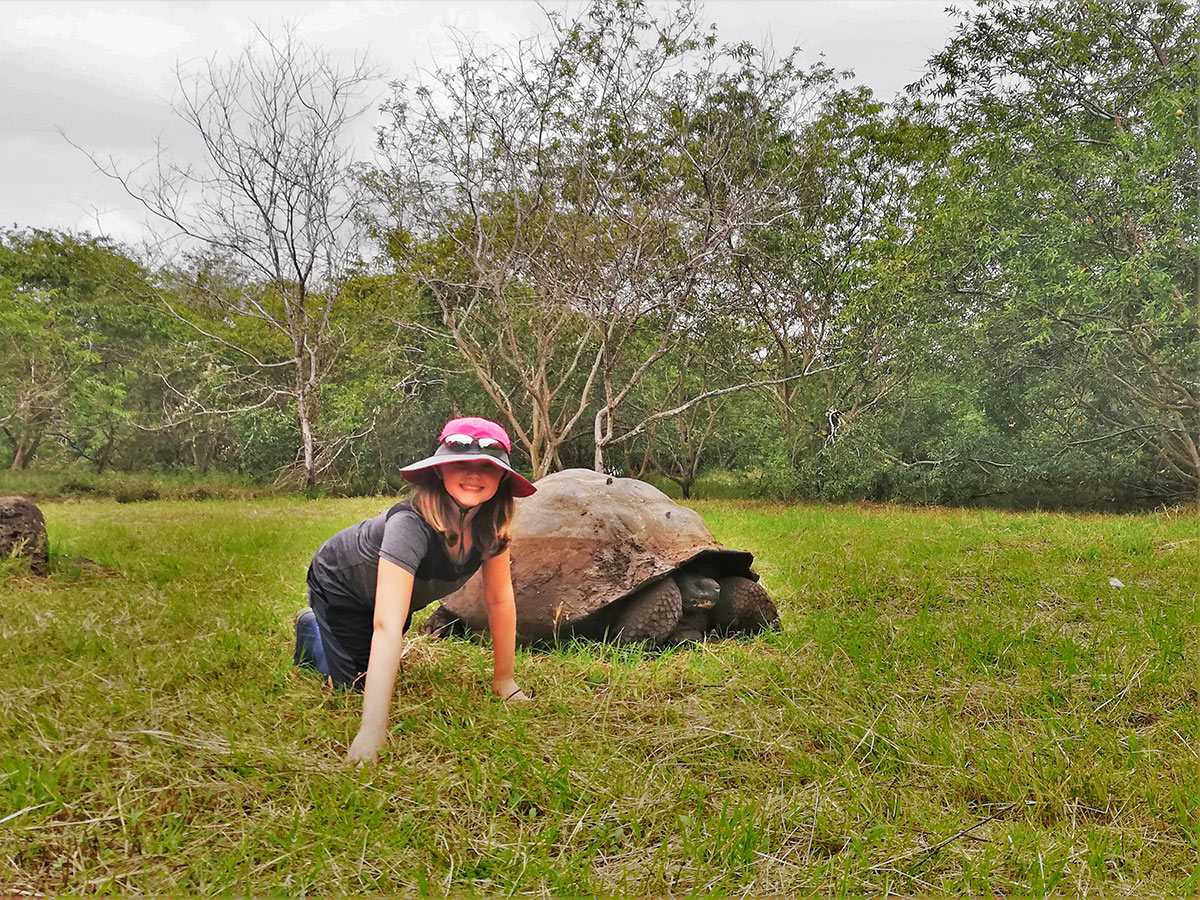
[[601, 557]]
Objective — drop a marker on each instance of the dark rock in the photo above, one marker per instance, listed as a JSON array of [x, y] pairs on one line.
[[23, 533]]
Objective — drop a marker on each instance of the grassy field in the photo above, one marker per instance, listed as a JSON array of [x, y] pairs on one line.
[[958, 703]]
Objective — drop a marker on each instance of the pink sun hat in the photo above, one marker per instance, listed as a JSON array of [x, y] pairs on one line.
[[466, 439]]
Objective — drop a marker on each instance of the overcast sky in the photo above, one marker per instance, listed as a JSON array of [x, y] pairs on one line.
[[102, 73]]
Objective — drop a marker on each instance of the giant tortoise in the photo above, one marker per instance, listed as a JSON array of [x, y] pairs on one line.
[[611, 558]]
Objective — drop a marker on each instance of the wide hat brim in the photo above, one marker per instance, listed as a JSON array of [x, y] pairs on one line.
[[421, 471]]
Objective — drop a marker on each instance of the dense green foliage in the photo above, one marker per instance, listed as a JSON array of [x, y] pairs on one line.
[[644, 251], [960, 703]]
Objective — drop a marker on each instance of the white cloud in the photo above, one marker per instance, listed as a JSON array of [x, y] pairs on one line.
[[103, 70], [133, 45], [139, 30]]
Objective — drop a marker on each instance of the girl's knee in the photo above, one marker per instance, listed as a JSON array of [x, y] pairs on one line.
[[309, 653]]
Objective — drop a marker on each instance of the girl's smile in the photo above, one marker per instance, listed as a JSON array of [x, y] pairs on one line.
[[470, 482]]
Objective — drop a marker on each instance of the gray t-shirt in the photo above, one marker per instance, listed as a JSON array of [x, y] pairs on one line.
[[341, 580]]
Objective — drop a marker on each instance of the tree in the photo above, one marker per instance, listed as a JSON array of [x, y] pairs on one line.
[[38, 365], [725, 135], [77, 337], [271, 219], [498, 175], [1077, 125], [836, 279], [676, 446], [568, 204]]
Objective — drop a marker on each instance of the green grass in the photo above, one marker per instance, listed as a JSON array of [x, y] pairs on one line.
[[716, 485], [82, 483], [958, 703]]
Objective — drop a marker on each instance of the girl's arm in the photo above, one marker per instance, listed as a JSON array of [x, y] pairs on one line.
[[502, 622], [393, 594]]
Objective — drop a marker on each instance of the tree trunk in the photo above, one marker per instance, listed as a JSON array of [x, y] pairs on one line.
[[24, 448], [598, 439], [602, 431], [106, 453], [306, 435]]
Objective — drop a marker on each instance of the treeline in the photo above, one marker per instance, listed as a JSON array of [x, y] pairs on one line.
[[648, 252]]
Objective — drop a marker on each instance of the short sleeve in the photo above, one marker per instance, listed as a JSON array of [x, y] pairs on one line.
[[405, 540]]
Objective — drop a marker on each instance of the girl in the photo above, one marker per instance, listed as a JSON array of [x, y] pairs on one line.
[[366, 581]]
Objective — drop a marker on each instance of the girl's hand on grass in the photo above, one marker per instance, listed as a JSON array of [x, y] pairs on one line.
[[507, 689], [365, 748]]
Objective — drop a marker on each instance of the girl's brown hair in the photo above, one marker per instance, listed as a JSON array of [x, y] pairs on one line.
[[489, 528]]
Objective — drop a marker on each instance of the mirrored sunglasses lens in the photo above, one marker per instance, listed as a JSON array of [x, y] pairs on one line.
[[464, 443], [492, 447]]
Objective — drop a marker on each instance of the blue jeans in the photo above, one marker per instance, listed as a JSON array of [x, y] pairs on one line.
[[309, 652]]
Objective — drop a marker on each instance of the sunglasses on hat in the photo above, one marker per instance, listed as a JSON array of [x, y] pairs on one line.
[[465, 443]]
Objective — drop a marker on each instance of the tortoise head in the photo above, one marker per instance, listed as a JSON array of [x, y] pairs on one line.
[[700, 591]]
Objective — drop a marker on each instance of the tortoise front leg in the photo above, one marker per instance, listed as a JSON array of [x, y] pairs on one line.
[[443, 623], [650, 615], [743, 607]]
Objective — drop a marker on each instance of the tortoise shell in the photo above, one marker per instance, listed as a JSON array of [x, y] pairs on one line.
[[584, 543]]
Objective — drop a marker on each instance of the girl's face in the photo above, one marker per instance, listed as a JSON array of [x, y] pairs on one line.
[[470, 482]]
